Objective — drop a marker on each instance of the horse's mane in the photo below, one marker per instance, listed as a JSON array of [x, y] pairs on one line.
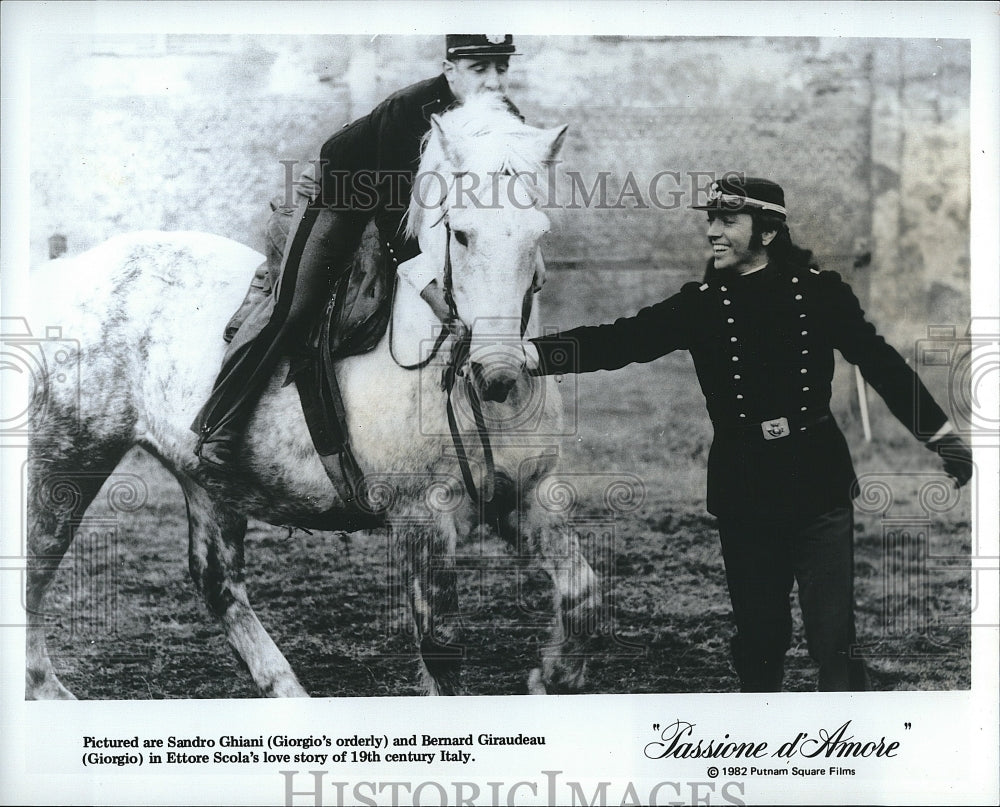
[[489, 137]]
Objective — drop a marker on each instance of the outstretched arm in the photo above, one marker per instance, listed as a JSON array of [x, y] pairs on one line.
[[653, 332], [889, 374]]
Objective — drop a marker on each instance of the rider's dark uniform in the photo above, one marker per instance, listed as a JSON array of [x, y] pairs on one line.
[[366, 172]]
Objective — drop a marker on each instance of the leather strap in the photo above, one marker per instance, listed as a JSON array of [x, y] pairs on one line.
[[331, 449], [754, 429]]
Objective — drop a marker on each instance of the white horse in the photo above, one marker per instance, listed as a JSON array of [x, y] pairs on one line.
[[147, 311]]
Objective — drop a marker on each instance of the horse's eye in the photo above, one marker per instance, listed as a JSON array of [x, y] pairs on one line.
[[461, 237]]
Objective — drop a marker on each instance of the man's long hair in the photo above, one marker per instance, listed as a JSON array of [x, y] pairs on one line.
[[782, 252]]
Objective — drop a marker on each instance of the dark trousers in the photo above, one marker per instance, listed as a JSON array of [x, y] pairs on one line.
[[320, 246], [764, 557]]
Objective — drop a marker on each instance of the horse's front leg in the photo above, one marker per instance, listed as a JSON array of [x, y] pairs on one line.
[[576, 603], [426, 548]]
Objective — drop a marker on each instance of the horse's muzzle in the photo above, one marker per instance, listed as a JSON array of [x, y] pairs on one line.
[[496, 369]]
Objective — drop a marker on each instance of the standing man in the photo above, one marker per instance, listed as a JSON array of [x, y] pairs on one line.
[[365, 172], [762, 329]]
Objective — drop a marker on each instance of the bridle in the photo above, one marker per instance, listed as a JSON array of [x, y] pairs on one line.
[[456, 328]]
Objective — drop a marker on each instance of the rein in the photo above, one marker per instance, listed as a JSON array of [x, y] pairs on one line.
[[449, 380], [459, 354]]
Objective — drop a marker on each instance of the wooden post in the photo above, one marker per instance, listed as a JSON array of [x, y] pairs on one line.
[[57, 245], [863, 403]]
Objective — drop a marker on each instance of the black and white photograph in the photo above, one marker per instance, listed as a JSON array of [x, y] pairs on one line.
[[644, 357]]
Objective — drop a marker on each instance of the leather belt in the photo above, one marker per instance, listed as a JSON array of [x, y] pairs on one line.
[[773, 428]]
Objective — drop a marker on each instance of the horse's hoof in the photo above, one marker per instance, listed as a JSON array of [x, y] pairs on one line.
[[51, 689], [536, 686], [286, 688]]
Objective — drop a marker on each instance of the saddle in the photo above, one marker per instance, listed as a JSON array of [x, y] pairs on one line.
[[352, 322]]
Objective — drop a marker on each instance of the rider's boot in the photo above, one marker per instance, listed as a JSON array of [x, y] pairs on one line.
[[319, 249], [221, 449]]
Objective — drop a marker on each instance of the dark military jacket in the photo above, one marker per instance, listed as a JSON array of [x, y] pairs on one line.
[[368, 166], [763, 347]]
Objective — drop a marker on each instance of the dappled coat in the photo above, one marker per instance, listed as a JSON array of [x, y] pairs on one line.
[[762, 345]]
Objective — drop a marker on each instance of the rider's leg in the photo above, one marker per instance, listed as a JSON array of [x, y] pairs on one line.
[[266, 277], [321, 246]]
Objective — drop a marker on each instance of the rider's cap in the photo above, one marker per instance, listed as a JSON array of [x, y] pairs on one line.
[[738, 194], [467, 46]]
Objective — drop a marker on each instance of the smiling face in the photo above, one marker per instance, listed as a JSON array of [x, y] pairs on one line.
[[468, 77], [733, 243]]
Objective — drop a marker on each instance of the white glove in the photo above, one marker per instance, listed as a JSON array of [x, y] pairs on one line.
[[418, 272], [531, 360]]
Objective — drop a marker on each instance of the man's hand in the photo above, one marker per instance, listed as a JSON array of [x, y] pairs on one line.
[[434, 297], [956, 455], [531, 360]]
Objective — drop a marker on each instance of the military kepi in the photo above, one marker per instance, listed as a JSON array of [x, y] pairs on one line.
[[469, 46], [738, 194]]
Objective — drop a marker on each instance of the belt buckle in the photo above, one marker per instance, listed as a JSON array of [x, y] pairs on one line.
[[775, 429]]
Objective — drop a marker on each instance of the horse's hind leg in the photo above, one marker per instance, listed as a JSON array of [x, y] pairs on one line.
[[57, 501], [215, 559]]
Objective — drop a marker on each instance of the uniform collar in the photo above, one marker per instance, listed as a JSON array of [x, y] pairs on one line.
[[442, 98]]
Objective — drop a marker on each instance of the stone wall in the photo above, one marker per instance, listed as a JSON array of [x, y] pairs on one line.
[[869, 137]]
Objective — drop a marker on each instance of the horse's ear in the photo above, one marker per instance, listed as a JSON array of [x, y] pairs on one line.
[[554, 141], [442, 138]]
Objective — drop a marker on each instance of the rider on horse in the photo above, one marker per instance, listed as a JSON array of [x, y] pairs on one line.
[[365, 172]]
